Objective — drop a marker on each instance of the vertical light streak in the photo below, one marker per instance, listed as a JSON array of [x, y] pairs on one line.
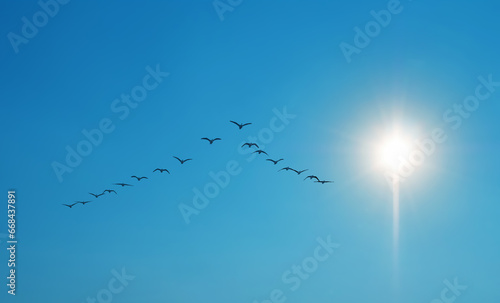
[[395, 231]]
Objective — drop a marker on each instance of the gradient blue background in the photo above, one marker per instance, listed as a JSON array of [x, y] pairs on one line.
[[264, 55]]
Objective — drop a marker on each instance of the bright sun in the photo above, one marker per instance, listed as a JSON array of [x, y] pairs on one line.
[[392, 151]]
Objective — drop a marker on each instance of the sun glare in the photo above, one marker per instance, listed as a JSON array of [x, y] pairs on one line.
[[392, 151]]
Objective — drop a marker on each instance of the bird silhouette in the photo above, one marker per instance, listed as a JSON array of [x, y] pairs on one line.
[[110, 191], [83, 202], [69, 205], [123, 184], [323, 182], [250, 145], [312, 177], [240, 125], [286, 168], [182, 161], [259, 151], [161, 170], [274, 161], [138, 178], [97, 196], [211, 140], [299, 171]]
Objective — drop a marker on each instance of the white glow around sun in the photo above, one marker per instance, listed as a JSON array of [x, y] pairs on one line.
[[392, 151]]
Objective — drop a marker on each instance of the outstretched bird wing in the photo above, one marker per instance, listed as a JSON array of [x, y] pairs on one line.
[[239, 125]]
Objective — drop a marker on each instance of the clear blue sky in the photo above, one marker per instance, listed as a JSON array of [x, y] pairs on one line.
[[263, 55]]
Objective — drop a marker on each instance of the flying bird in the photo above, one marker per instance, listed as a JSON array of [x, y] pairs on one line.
[[299, 171], [240, 125], [286, 168], [109, 191], [97, 196], [161, 170], [274, 161], [323, 182], [182, 161], [259, 151], [250, 145], [69, 205], [312, 177], [83, 202], [123, 184], [138, 178], [211, 140]]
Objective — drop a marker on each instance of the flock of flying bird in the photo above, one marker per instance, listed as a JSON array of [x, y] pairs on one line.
[[182, 161]]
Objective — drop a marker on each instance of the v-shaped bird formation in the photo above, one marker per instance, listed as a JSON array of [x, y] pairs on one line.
[[183, 161]]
